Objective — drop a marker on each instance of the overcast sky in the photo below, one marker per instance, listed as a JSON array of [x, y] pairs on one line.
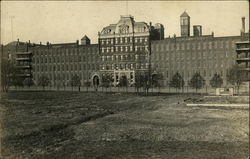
[[65, 21]]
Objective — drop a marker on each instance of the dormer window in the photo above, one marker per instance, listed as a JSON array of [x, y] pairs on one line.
[[123, 29]]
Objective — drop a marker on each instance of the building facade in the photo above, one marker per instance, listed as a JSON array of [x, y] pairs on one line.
[[243, 56], [125, 48], [205, 54], [60, 62], [129, 48]]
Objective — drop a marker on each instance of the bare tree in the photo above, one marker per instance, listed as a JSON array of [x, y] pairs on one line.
[[7, 73], [43, 81], [76, 82], [235, 76]]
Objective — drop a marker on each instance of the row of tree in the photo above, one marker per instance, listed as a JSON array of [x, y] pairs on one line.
[[234, 77]]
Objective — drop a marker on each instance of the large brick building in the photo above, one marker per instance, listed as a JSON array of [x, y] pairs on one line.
[[187, 54], [60, 62], [128, 48]]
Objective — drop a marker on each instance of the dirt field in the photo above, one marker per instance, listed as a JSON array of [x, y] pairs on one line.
[[72, 125]]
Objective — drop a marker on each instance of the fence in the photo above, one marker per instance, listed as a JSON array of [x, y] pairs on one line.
[[208, 90]]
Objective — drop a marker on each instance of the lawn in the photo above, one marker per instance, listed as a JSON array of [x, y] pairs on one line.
[[65, 125]]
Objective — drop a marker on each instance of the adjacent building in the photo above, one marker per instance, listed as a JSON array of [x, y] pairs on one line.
[[60, 62]]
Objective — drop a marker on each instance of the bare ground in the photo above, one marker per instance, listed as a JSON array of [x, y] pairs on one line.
[[71, 125]]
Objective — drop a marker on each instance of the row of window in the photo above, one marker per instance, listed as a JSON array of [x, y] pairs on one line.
[[123, 58], [59, 52], [90, 67], [194, 46], [188, 64], [63, 59], [193, 55], [124, 66], [123, 49], [121, 40], [65, 67]]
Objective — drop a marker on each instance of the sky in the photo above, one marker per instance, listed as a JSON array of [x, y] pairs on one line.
[[64, 21]]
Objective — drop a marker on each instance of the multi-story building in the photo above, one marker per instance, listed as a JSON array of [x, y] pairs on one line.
[[125, 48], [128, 48], [60, 62], [187, 54], [19, 54], [243, 57]]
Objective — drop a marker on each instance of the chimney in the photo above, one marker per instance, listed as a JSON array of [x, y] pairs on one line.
[[197, 30], [77, 42], [29, 41], [47, 43], [243, 25], [40, 43]]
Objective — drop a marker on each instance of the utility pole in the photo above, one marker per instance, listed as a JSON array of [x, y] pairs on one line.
[[126, 7], [11, 21]]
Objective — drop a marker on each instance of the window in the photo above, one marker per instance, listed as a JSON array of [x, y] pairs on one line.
[[210, 45], [141, 39], [136, 48], [167, 47], [215, 44], [188, 46], [221, 44], [227, 44], [204, 45]]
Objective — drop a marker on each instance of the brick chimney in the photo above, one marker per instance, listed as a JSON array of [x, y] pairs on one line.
[[243, 25]]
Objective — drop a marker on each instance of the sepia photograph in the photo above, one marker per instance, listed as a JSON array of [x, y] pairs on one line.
[[124, 79]]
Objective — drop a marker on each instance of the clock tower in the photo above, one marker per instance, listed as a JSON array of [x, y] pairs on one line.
[[185, 24]]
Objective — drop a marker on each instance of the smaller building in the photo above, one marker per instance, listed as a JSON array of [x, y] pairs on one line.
[[243, 58], [18, 53]]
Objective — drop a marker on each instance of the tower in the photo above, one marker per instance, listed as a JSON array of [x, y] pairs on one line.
[[185, 24]]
